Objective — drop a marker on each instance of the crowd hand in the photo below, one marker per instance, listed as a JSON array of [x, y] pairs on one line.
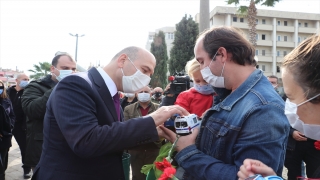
[[251, 167], [165, 112], [184, 141], [298, 136]]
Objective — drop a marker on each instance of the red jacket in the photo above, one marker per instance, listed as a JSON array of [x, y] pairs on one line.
[[194, 102]]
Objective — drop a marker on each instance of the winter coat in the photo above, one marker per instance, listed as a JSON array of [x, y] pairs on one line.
[[7, 119], [34, 99]]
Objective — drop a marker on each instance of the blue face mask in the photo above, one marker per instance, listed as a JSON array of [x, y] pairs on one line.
[[23, 83], [1, 91], [204, 89]]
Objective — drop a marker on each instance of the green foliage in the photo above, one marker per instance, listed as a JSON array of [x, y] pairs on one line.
[[159, 50], [40, 70], [243, 10], [185, 37]]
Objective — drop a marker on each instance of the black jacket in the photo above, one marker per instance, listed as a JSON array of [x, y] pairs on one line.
[[7, 119], [34, 99]]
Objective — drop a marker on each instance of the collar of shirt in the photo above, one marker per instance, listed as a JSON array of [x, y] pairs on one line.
[[139, 106], [109, 82]]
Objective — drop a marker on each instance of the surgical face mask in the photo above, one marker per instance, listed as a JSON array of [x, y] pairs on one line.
[[63, 74], [23, 83], [309, 130], [1, 91], [215, 81], [144, 97], [204, 89], [129, 95], [135, 82]]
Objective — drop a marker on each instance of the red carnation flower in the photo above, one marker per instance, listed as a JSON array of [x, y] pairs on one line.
[[163, 165], [168, 173], [317, 145]]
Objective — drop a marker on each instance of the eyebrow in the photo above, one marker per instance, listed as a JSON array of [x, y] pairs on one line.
[[147, 69]]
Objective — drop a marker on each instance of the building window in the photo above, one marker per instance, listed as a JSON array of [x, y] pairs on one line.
[[257, 52], [263, 52], [278, 53], [285, 38], [263, 21], [263, 68], [241, 20], [278, 69], [285, 23], [299, 39], [234, 19], [257, 36], [284, 53], [263, 37], [305, 24], [279, 23], [257, 21], [279, 38], [171, 36], [299, 24]]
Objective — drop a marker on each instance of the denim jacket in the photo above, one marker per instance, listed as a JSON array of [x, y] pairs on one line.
[[248, 123]]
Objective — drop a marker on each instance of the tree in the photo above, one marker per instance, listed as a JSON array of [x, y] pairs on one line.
[[251, 12], [40, 70], [185, 37], [159, 50]]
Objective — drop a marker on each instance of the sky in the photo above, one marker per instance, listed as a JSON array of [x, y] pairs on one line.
[[33, 31]]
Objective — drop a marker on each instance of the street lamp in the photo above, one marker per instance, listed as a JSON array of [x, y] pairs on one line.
[[76, 35]]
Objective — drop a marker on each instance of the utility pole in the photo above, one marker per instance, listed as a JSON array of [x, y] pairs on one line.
[[76, 35]]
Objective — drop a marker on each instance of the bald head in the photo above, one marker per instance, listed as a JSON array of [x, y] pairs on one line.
[[23, 76], [145, 90], [21, 81]]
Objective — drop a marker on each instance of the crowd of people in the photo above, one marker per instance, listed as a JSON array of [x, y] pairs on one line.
[[77, 125]]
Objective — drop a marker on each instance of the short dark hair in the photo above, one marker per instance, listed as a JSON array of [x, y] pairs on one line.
[[273, 76], [131, 51], [233, 41], [57, 57]]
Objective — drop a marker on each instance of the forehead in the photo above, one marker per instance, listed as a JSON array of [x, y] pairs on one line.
[[145, 89], [290, 85], [199, 50], [146, 60], [66, 61], [23, 77]]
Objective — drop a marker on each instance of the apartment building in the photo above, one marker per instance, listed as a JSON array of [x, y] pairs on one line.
[[169, 37], [278, 32]]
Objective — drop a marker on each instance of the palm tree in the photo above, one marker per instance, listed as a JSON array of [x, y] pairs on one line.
[[251, 12], [40, 70]]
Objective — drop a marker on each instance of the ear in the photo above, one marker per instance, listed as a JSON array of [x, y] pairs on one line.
[[224, 54], [121, 59], [51, 69]]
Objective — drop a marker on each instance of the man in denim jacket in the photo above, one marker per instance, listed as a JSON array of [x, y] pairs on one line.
[[247, 122]]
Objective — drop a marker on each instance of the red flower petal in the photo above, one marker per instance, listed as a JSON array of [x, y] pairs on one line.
[[168, 173], [162, 165], [317, 145]]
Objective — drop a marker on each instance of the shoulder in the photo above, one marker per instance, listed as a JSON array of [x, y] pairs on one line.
[[155, 105], [131, 106]]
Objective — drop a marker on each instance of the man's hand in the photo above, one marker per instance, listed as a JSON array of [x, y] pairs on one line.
[[183, 141], [251, 167], [165, 112], [298, 136]]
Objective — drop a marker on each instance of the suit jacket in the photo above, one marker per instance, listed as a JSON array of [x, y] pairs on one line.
[[83, 138]]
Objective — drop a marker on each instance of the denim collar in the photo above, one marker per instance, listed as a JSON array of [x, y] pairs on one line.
[[229, 99]]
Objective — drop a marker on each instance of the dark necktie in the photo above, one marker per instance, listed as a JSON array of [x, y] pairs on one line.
[[116, 102]]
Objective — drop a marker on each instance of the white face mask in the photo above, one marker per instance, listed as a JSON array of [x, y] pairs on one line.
[[135, 82], [130, 95], [63, 74], [215, 81], [309, 130], [144, 97]]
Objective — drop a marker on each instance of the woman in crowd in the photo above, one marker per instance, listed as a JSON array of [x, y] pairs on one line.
[[301, 81], [199, 98], [6, 125]]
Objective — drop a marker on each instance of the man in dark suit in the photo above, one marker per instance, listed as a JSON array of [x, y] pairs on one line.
[[83, 135]]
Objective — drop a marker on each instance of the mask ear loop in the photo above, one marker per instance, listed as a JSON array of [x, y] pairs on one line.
[[223, 68], [213, 58], [308, 100]]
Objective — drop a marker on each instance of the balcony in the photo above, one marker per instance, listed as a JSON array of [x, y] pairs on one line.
[[285, 28], [307, 30], [280, 59], [264, 58], [264, 27], [264, 43], [285, 44], [240, 25]]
